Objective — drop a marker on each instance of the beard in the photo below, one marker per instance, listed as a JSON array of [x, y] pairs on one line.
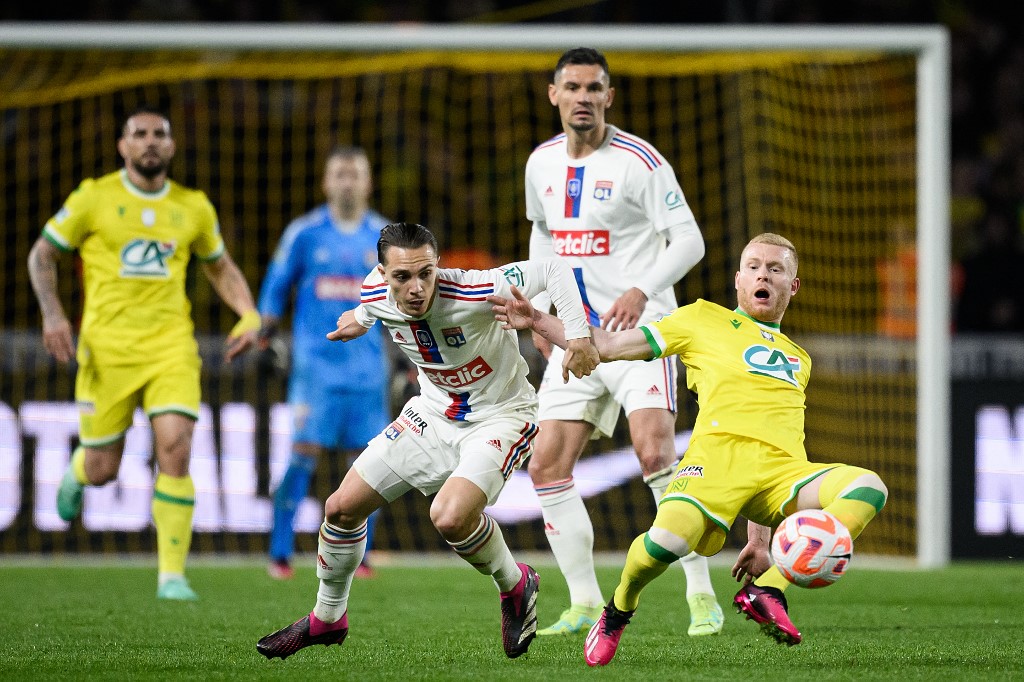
[[583, 127], [150, 170]]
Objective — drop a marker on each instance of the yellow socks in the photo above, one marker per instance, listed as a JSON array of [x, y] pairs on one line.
[[78, 465], [173, 504]]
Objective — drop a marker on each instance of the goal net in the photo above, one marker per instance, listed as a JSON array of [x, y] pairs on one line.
[[818, 137]]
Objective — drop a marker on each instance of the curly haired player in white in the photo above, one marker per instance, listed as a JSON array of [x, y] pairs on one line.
[[470, 428], [609, 204]]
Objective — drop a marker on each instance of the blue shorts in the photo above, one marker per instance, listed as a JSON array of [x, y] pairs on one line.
[[334, 419]]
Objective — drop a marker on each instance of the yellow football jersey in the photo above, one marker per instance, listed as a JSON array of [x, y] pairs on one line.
[[135, 248], [748, 376]]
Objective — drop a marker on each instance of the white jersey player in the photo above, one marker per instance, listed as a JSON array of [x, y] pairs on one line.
[[610, 215], [472, 425], [608, 203]]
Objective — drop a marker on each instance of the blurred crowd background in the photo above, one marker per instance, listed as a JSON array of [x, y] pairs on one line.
[[987, 94]]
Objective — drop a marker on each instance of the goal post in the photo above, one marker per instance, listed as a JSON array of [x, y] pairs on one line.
[[837, 136]]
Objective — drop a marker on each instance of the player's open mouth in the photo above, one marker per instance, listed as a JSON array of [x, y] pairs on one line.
[[762, 294]]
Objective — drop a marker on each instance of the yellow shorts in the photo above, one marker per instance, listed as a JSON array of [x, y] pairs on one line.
[[725, 475], [108, 395]]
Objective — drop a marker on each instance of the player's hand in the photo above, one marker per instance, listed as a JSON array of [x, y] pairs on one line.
[[580, 359], [626, 311], [57, 339], [514, 313], [348, 328], [751, 562], [243, 335]]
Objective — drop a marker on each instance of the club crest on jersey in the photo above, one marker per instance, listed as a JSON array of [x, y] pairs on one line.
[[146, 258], [768, 335], [690, 471], [772, 362], [424, 339], [393, 431], [514, 276], [573, 188], [454, 337], [603, 190], [148, 217]]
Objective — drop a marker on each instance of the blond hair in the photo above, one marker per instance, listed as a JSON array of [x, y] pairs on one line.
[[773, 239]]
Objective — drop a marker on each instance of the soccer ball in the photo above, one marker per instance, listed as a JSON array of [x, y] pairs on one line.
[[812, 548]]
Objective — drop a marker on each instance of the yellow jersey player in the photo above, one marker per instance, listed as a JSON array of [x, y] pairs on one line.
[[746, 454], [135, 231]]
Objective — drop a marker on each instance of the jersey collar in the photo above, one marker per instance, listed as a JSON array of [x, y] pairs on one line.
[[159, 194], [769, 325]]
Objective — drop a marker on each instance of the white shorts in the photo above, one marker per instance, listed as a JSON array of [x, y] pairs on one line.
[[422, 450], [596, 399]]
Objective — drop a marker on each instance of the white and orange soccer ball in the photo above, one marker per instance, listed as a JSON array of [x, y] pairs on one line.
[[812, 548]]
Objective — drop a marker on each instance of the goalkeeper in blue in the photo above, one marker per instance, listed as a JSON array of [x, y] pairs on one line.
[[338, 393], [746, 455]]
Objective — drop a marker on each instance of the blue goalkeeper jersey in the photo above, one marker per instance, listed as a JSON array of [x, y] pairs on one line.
[[325, 268]]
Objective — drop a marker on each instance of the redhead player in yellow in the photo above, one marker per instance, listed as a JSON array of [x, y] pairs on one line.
[[746, 454], [135, 231]]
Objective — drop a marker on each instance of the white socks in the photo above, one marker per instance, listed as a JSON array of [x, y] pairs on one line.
[[571, 536], [339, 551], [486, 551]]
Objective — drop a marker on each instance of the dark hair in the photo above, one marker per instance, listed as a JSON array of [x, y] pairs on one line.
[[343, 151], [143, 109], [404, 236], [581, 55]]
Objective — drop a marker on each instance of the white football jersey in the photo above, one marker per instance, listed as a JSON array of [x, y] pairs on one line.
[[470, 368], [607, 215]]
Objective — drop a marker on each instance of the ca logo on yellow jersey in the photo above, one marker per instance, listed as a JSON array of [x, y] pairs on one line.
[[146, 258], [772, 362]]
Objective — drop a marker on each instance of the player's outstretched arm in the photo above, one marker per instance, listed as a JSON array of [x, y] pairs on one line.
[[42, 271], [348, 328], [519, 313]]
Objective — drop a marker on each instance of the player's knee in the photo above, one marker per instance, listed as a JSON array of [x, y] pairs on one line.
[[682, 520], [339, 513], [849, 482], [450, 521], [654, 461], [874, 481], [548, 469]]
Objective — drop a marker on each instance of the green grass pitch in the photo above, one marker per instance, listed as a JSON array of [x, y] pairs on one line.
[[62, 621]]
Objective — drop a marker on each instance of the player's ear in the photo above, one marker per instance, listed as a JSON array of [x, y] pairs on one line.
[[795, 287], [553, 94], [611, 98], [380, 269]]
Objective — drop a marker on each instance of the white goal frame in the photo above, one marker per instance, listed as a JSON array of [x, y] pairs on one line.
[[929, 44]]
